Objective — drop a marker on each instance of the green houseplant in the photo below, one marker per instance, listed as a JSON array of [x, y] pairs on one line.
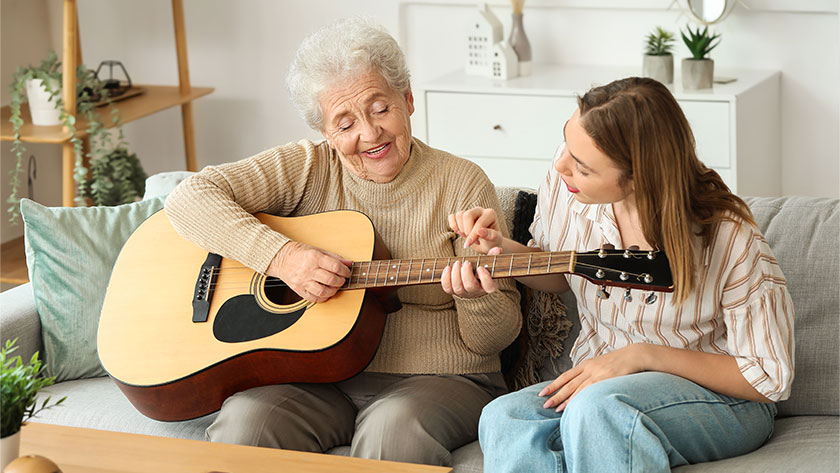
[[89, 91], [658, 62], [19, 384], [698, 71]]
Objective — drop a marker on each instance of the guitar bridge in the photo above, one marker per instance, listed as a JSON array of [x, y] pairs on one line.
[[204, 286]]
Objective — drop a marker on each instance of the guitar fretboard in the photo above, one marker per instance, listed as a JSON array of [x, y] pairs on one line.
[[405, 272]]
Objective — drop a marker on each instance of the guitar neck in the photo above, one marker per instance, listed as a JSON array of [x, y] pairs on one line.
[[406, 272]]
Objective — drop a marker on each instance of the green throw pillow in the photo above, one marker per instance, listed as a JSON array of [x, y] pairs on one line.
[[70, 252]]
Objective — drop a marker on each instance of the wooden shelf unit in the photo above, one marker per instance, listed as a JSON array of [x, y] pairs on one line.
[[154, 99]]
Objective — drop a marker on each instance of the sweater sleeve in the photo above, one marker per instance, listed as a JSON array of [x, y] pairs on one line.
[[214, 207], [491, 322], [758, 313]]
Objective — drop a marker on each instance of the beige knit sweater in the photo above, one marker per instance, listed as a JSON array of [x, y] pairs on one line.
[[433, 333]]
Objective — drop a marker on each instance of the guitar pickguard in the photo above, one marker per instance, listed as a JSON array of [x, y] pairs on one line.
[[241, 319]]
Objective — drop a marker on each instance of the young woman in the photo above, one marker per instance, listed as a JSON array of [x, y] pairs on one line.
[[689, 377]]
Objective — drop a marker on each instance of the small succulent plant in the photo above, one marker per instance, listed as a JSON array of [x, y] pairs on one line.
[[700, 43], [659, 42]]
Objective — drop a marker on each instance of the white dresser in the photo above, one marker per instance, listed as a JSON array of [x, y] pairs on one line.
[[512, 128]]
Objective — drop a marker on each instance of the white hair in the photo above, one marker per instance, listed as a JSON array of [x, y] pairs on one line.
[[343, 51]]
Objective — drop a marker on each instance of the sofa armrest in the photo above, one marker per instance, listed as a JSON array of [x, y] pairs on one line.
[[19, 319]]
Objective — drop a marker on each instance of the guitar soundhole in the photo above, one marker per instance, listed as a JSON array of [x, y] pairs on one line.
[[279, 293]]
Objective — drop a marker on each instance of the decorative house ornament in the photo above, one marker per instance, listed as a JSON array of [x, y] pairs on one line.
[[505, 63], [487, 54]]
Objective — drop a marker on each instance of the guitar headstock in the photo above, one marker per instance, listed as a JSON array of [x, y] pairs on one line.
[[635, 269]]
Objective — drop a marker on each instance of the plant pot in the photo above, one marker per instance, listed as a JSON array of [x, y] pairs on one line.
[[44, 111], [659, 68], [9, 449], [697, 73]]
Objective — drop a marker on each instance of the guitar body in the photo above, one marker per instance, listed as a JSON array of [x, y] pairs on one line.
[[257, 332]]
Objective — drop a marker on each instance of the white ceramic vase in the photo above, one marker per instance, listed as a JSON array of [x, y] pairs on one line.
[[697, 73], [44, 111], [9, 449], [659, 68]]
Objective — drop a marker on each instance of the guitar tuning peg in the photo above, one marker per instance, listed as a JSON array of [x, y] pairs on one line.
[[651, 255], [627, 296], [602, 293], [651, 298], [602, 253]]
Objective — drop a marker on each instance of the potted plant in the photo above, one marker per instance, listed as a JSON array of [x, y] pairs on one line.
[[19, 384], [658, 62], [698, 71], [46, 78]]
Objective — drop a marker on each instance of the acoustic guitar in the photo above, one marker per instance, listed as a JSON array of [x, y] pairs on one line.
[[181, 330]]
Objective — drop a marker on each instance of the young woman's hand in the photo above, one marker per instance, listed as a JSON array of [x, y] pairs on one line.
[[479, 227], [617, 363], [314, 274]]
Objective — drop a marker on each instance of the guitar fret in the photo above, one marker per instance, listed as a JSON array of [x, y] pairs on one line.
[[378, 267], [408, 274], [434, 268], [493, 271], [529, 262], [510, 269], [549, 262], [422, 265], [399, 266]]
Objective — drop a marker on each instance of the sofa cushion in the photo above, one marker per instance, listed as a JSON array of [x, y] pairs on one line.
[[802, 443], [97, 403], [804, 233], [70, 253], [162, 183]]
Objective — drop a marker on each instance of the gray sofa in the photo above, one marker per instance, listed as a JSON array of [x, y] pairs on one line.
[[804, 234]]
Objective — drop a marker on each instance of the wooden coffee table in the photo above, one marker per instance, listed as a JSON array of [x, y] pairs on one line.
[[77, 450]]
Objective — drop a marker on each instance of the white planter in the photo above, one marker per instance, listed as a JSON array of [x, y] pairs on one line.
[[9, 449], [697, 73], [659, 68], [44, 112]]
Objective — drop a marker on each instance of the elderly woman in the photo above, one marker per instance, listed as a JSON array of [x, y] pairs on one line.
[[438, 361]]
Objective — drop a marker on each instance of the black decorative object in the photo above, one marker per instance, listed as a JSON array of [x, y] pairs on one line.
[[114, 86]]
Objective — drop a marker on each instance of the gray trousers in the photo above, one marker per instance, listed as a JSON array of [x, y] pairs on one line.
[[408, 418]]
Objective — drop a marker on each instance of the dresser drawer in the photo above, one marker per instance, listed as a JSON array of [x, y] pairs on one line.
[[710, 123], [497, 125], [518, 173]]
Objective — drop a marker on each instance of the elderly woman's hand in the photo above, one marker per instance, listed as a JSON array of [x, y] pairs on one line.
[[313, 273], [460, 280], [479, 227]]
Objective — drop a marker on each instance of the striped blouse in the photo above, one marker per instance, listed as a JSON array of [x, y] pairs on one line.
[[739, 307]]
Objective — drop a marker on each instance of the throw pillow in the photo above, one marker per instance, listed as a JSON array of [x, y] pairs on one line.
[[545, 326], [70, 252]]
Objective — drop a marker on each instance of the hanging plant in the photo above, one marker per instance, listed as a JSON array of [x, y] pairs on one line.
[[116, 178], [89, 91]]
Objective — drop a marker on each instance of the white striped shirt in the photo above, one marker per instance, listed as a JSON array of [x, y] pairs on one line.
[[740, 305]]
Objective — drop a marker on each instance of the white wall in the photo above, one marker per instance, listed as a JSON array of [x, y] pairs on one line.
[[16, 52], [243, 49]]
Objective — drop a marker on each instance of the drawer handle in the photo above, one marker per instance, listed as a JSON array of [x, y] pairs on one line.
[[497, 127]]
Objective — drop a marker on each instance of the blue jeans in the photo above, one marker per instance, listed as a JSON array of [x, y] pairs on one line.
[[643, 422]]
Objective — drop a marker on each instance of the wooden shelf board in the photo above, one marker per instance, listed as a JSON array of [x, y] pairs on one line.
[[13, 262], [154, 99]]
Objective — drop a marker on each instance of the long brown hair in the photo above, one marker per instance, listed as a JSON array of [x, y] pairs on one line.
[[639, 125]]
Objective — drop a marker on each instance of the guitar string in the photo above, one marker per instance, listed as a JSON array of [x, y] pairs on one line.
[[275, 283]]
